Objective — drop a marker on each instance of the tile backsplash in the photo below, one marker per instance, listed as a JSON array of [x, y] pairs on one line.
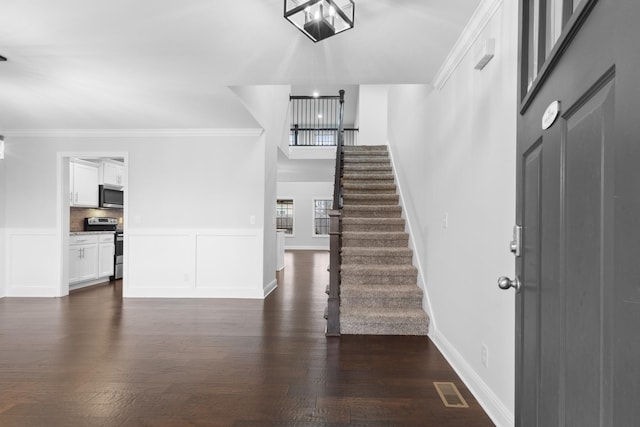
[[77, 216]]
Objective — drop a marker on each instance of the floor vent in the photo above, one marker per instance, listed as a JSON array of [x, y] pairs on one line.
[[450, 395]]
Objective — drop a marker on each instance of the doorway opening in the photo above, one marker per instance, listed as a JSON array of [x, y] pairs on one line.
[[92, 217]]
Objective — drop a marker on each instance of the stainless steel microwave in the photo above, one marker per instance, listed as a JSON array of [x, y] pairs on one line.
[[110, 197]]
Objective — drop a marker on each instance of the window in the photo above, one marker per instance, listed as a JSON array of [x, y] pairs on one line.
[[321, 221], [544, 24], [284, 215]]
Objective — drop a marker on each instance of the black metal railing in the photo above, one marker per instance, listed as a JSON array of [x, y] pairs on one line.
[[335, 232], [315, 121]]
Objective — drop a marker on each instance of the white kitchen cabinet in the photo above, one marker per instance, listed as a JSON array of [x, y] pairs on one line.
[[83, 184], [112, 174], [106, 255], [83, 258], [90, 257]]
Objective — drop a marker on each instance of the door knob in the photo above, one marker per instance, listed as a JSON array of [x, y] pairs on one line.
[[506, 283]]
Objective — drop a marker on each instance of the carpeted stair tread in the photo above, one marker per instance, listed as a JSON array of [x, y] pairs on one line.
[[370, 199], [355, 168], [362, 147], [369, 188], [376, 291], [372, 224], [376, 239], [379, 292], [355, 152], [380, 255], [377, 235], [372, 211], [372, 279], [401, 274], [378, 270], [367, 176], [403, 251], [367, 159], [381, 296]]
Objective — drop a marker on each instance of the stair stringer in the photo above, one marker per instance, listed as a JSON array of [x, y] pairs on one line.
[[426, 301]]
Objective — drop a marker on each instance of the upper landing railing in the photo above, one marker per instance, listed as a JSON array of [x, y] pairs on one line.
[[315, 122]]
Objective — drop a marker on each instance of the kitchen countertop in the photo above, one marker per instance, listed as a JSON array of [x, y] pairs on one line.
[[76, 233]]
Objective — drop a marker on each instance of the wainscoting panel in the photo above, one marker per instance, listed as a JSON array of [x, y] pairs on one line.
[[160, 261], [193, 264], [230, 262], [33, 263], [3, 262]]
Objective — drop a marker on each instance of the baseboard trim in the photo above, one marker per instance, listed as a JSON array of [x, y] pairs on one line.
[[147, 292], [492, 405], [270, 287], [31, 292]]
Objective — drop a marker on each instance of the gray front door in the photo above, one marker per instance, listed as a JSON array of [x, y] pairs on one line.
[[578, 202]]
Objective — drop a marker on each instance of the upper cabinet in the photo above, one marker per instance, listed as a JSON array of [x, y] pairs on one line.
[[112, 173], [83, 184]]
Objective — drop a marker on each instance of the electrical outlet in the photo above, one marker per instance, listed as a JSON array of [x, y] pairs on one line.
[[445, 220], [484, 355]]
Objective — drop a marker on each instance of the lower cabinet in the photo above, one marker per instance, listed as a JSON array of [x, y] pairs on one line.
[[90, 257], [83, 262]]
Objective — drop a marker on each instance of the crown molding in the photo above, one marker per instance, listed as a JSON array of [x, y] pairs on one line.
[[470, 34], [130, 133]]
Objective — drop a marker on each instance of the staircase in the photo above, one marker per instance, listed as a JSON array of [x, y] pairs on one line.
[[378, 292]]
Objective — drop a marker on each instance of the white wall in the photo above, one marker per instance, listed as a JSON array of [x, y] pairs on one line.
[[269, 105], [303, 194], [454, 156], [191, 197], [372, 115], [3, 204]]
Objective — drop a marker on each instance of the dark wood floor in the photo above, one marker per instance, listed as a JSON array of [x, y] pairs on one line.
[[92, 359]]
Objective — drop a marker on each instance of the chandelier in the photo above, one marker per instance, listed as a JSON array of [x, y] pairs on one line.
[[319, 19]]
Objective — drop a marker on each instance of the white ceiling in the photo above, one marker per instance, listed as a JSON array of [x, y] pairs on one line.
[[145, 64]]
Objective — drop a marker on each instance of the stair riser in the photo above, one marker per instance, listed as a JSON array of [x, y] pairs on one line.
[[373, 228], [367, 179], [365, 328], [351, 166], [365, 154], [387, 199], [360, 279], [370, 170], [359, 192], [367, 160], [371, 191], [368, 153], [375, 243], [376, 260], [363, 302], [379, 294]]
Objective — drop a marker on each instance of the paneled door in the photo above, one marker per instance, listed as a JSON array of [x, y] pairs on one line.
[[578, 206]]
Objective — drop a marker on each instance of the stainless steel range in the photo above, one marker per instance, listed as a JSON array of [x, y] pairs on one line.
[[119, 255], [109, 224]]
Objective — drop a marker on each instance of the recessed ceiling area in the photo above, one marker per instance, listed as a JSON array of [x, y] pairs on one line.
[[76, 64]]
